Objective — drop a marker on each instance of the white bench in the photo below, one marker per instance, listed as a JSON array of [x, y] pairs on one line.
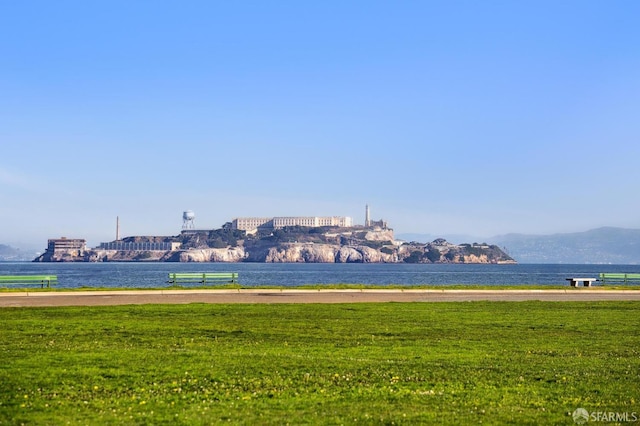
[[585, 281]]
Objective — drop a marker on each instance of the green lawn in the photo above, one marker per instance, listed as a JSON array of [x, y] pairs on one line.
[[402, 363]]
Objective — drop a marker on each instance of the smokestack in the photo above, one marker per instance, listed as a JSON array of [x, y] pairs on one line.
[[117, 228], [367, 216]]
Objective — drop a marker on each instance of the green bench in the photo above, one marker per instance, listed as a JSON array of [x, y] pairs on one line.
[[13, 280], [620, 278], [203, 278]]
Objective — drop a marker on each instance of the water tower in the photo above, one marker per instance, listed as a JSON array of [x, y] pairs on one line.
[[188, 218]]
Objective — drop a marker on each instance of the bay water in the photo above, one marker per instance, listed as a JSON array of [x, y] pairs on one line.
[[145, 275]]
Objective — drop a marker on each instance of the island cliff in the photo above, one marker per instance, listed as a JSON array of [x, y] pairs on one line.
[[290, 245]]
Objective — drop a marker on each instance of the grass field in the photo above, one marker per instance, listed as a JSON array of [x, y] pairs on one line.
[[390, 363]]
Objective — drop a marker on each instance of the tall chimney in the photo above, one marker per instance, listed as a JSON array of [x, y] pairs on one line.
[[367, 216]]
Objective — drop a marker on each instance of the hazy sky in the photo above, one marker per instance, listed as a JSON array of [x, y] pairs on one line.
[[475, 117]]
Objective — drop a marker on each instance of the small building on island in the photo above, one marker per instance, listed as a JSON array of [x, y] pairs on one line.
[[68, 245]]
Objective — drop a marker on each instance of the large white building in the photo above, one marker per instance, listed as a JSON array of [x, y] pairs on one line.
[[252, 224]]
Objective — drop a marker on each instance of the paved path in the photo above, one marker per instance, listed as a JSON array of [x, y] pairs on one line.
[[96, 298]]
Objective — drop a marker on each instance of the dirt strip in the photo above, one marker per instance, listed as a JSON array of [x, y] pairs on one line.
[[97, 298]]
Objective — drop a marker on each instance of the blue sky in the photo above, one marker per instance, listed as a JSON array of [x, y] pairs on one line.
[[448, 117]]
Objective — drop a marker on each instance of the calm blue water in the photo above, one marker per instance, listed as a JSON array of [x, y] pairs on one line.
[[124, 275]]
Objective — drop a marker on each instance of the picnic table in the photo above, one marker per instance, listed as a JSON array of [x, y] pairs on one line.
[[586, 282]]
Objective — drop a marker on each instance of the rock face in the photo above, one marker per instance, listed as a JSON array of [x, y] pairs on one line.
[[344, 245], [236, 254], [320, 253]]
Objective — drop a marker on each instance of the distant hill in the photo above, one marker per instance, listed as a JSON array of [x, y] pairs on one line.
[[602, 245], [9, 254]]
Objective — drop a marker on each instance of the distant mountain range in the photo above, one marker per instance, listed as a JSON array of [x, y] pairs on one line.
[[606, 245]]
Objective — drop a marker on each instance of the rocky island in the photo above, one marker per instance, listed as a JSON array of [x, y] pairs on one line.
[[295, 244]]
